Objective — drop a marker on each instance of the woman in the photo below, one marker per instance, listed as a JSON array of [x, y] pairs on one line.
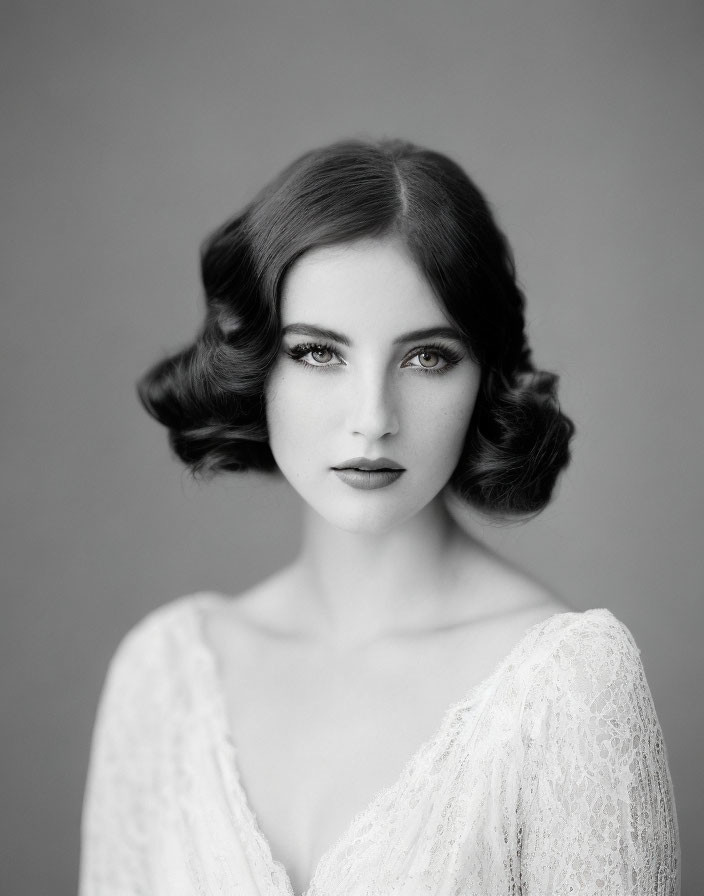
[[365, 336]]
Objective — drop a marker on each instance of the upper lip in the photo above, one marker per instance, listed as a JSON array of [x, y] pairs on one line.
[[365, 463]]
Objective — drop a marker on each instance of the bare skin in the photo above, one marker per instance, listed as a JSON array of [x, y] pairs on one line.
[[336, 670]]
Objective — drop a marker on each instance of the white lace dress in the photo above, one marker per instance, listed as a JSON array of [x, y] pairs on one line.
[[550, 777]]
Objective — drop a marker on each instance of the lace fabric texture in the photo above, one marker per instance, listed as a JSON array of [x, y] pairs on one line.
[[549, 778]]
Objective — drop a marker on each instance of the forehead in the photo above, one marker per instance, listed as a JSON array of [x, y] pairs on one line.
[[369, 283]]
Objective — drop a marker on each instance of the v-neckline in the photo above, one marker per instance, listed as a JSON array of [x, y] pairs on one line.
[[216, 693]]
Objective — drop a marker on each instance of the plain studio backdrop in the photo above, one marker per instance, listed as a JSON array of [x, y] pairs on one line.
[[132, 129]]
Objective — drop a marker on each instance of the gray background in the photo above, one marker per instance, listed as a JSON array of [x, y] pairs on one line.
[[133, 128]]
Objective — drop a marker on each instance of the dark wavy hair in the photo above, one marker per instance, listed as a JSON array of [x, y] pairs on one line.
[[210, 395]]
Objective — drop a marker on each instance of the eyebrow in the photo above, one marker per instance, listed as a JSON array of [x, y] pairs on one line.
[[412, 336]]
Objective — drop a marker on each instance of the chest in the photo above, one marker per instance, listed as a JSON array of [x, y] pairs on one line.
[[318, 738]]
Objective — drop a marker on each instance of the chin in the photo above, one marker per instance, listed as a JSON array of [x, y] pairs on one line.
[[367, 520]]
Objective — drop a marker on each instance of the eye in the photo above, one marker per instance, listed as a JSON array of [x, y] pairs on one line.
[[321, 355], [431, 359], [314, 355]]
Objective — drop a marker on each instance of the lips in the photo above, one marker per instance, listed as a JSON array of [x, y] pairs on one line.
[[367, 465], [368, 475]]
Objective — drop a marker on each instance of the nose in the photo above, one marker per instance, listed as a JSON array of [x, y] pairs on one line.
[[373, 408]]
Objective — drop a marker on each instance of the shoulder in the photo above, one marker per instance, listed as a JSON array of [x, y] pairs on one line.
[[592, 645], [584, 672], [164, 622], [151, 673], [508, 592], [157, 641]]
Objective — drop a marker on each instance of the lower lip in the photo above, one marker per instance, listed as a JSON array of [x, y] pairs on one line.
[[368, 479]]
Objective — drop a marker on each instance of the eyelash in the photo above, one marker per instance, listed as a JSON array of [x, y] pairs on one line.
[[450, 356]]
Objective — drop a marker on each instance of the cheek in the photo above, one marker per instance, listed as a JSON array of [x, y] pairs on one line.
[[295, 415], [445, 420]]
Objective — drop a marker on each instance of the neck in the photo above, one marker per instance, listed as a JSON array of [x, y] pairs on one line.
[[358, 587]]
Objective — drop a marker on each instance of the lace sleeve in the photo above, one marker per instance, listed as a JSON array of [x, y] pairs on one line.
[[121, 775], [598, 813]]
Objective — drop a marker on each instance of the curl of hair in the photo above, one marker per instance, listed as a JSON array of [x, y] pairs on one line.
[[517, 444], [211, 395]]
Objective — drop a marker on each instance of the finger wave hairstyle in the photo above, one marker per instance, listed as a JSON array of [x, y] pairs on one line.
[[210, 395]]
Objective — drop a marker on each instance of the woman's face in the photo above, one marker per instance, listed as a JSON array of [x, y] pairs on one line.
[[370, 373]]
